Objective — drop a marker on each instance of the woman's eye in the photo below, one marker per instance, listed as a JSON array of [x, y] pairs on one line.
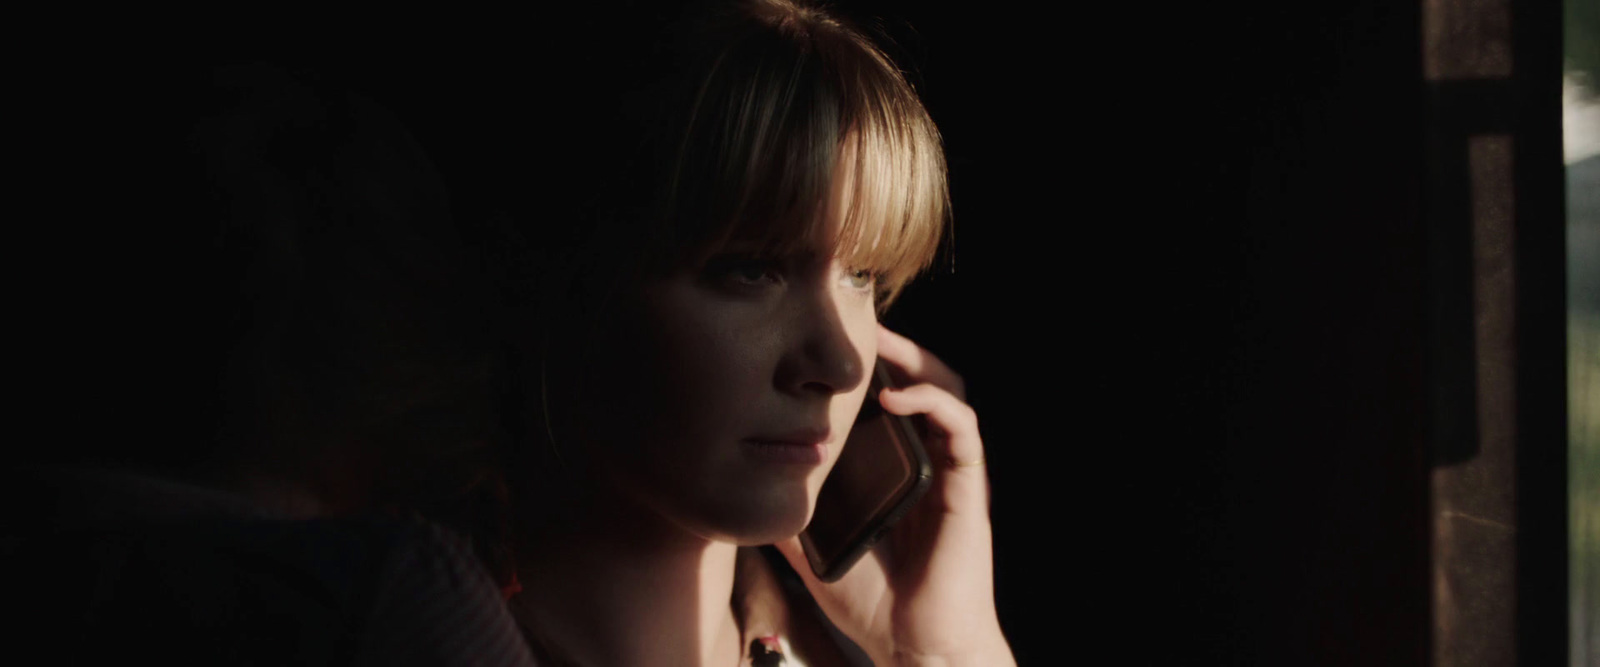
[[744, 271], [861, 280]]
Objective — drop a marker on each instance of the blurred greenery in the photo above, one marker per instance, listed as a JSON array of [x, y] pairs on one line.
[[1582, 55], [1583, 379]]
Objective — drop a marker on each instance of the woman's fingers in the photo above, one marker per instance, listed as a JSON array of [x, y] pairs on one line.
[[939, 393], [945, 413], [919, 364], [955, 447]]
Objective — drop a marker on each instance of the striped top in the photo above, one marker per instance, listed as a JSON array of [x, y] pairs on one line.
[[779, 623]]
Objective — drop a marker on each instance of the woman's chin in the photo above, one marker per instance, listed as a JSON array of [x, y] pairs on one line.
[[771, 533], [759, 521]]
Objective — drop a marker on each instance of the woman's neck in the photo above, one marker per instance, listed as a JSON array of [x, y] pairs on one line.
[[624, 586]]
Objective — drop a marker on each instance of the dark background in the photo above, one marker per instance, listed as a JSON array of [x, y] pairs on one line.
[[1187, 292]]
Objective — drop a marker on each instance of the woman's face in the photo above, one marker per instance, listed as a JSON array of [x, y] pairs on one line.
[[726, 390]]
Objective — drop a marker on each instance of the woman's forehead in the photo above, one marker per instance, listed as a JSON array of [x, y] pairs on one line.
[[871, 213], [821, 239], [819, 229]]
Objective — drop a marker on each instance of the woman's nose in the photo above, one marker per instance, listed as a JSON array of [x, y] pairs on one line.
[[821, 357]]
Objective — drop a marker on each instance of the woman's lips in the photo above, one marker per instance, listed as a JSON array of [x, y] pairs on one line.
[[783, 451]]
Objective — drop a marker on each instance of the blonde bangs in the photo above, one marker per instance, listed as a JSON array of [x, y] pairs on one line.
[[794, 112], [898, 200]]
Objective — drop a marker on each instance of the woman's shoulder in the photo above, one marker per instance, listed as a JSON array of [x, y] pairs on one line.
[[436, 605], [780, 622]]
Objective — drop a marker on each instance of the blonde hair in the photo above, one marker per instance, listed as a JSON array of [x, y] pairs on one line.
[[770, 107]]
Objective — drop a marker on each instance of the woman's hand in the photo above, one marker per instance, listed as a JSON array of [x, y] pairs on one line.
[[926, 597]]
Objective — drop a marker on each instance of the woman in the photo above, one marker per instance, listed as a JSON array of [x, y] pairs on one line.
[[697, 339]]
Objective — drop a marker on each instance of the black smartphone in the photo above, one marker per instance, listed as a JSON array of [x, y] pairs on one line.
[[881, 472]]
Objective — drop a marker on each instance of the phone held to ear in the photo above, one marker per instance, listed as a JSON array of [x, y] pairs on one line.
[[881, 472]]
